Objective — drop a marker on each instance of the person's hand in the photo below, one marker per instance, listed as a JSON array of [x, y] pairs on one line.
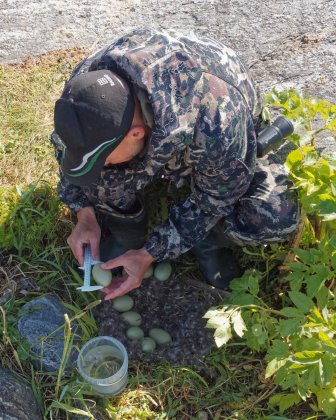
[[86, 232], [135, 263]]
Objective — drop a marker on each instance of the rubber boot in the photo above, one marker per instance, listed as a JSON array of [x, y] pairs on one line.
[[126, 231], [217, 263]]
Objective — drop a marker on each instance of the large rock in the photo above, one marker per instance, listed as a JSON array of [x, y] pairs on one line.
[[44, 317], [17, 401], [284, 42]]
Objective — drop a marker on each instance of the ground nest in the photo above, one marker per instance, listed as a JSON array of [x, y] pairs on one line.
[[176, 306]]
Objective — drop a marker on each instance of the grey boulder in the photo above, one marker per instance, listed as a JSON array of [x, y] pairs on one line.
[[42, 327], [17, 401]]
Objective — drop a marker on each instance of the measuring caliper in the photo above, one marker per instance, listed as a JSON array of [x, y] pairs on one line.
[[88, 263]]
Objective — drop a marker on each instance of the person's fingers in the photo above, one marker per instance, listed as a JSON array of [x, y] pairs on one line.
[[114, 285], [124, 287], [116, 262], [78, 252], [94, 243], [76, 247]]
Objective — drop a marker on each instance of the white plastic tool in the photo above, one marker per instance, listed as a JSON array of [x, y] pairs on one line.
[[88, 263]]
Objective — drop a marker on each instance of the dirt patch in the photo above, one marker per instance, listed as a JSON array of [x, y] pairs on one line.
[[48, 60], [177, 306]]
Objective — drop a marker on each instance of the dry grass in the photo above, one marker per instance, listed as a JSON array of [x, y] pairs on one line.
[[28, 94]]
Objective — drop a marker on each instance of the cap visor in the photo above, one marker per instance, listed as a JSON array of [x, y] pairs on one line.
[[87, 171]]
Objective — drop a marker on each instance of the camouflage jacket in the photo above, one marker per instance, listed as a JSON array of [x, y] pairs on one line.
[[203, 107]]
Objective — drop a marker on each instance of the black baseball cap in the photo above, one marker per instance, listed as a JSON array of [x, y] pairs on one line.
[[91, 118]]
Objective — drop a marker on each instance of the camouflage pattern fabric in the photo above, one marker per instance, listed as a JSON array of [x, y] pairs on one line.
[[204, 110], [268, 211]]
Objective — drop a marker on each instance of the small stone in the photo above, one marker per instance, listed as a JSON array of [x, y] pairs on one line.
[[202, 415], [7, 293]]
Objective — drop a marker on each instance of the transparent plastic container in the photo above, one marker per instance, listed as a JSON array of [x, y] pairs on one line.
[[103, 363]]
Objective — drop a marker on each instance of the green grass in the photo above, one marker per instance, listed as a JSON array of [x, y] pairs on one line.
[[33, 229]]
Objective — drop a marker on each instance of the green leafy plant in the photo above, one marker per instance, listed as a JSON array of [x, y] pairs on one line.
[[306, 360], [299, 338], [303, 111]]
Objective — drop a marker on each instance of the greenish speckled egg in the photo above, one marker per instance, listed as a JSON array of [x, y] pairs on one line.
[[123, 303], [148, 344], [132, 318], [135, 333], [160, 336], [100, 276], [149, 272], [163, 271]]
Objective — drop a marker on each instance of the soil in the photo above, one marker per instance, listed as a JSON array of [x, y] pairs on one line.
[[177, 306]]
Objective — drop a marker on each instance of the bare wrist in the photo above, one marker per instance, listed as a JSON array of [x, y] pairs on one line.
[[148, 258], [86, 213]]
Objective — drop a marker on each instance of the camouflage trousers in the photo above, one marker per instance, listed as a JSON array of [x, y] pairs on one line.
[[268, 211]]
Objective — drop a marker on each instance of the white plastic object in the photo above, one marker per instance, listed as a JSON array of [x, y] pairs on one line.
[[88, 263], [93, 354]]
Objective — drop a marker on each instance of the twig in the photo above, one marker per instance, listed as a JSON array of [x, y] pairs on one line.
[[293, 243], [205, 286], [265, 395]]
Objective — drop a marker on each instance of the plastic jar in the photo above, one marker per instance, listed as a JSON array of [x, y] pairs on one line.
[[103, 363]]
